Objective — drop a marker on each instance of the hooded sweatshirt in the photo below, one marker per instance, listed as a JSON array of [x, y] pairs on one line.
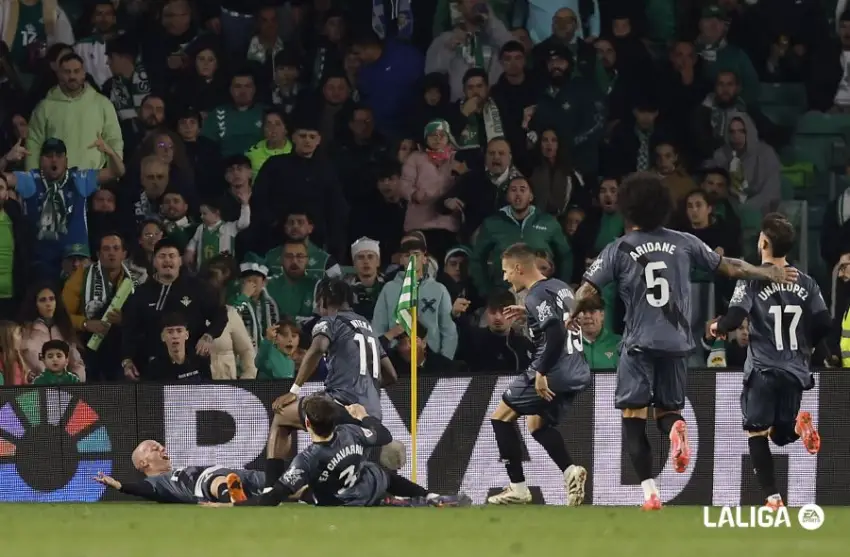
[[76, 121], [435, 313], [755, 172]]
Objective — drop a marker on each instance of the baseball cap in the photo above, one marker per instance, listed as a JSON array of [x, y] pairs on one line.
[[713, 11], [78, 250], [53, 145], [559, 51]]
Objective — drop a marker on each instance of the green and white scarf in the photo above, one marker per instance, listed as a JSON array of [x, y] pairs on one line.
[[259, 315], [475, 51], [720, 116], [54, 212], [642, 162], [493, 128], [98, 292]]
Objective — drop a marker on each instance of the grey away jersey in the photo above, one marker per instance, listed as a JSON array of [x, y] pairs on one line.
[[553, 300], [337, 471], [653, 275], [186, 485], [354, 360], [779, 317]]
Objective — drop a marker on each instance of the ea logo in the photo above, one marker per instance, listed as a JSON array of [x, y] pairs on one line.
[[51, 445], [811, 516]]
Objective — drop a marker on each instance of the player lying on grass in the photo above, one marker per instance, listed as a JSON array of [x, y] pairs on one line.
[[356, 365], [543, 393], [786, 323], [651, 267], [335, 469], [190, 485]]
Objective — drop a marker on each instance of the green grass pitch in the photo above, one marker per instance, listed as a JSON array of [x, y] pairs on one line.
[[130, 530]]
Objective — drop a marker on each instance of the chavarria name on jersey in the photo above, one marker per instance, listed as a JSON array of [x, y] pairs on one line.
[[356, 449]]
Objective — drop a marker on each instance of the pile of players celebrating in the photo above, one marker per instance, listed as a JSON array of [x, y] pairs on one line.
[[352, 460]]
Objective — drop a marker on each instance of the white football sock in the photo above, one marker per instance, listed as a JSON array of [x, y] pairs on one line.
[[520, 486], [649, 488]]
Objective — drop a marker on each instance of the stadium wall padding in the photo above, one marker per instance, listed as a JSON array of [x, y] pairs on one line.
[[53, 440]]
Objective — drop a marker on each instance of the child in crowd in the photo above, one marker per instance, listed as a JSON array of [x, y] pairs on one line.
[[279, 353], [54, 356], [215, 236]]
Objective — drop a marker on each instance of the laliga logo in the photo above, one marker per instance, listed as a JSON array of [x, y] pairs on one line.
[[40, 431], [810, 517]]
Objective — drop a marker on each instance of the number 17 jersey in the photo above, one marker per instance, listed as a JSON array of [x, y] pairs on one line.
[[652, 271], [779, 324], [353, 359]]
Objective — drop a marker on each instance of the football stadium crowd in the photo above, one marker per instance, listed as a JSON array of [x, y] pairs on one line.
[[177, 176]]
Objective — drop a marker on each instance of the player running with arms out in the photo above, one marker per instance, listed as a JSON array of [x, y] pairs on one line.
[[651, 266], [786, 322], [557, 374], [356, 364], [190, 485], [335, 469]]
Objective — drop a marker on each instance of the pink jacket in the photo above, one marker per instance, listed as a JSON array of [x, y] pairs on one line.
[[424, 186], [35, 336]]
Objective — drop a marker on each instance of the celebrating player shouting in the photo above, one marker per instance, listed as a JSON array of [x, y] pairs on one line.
[[786, 323], [651, 266], [190, 485], [557, 374], [356, 363]]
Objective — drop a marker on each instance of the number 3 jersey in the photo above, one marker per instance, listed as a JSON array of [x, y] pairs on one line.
[[354, 360], [780, 324], [652, 271], [550, 301]]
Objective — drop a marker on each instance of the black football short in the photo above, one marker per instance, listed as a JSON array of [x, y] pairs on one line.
[[523, 399], [771, 398], [647, 380]]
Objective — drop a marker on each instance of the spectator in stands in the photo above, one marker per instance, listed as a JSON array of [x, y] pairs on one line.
[[716, 233], [571, 221], [426, 178], [828, 87], [433, 103], [455, 277], [168, 147], [164, 48], [251, 300], [43, 317], [238, 177], [204, 85], [154, 177], [280, 356], [299, 226], [519, 221], [76, 256], [325, 47], [754, 169], [127, 84], [300, 180], [566, 33], [601, 346], [266, 44], [683, 89], [151, 117], [429, 361], [202, 154], [274, 142], [516, 89], [556, 183], [16, 245], [151, 231], [474, 42], [367, 281], [102, 215], [167, 291], [387, 80], [718, 54], [287, 90], [29, 26], [214, 236], [14, 370], [435, 306], [476, 119], [233, 353], [236, 126], [293, 290], [88, 295], [620, 86], [631, 143], [498, 346], [383, 219], [477, 194], [572, 106], [54, 198], [54, 356], [77, 114], [178, 363], [668, 165], [601, 225], [178, 224], [358, 149], [103, 27]]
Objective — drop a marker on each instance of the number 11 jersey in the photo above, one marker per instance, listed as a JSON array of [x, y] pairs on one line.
[[354, 360], [652, 271], [779, 321]]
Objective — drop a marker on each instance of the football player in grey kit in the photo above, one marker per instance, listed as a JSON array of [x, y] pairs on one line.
[[190, 485], [786, 321], [356, 365], [335, 468], [557, 374], [651, 266]]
